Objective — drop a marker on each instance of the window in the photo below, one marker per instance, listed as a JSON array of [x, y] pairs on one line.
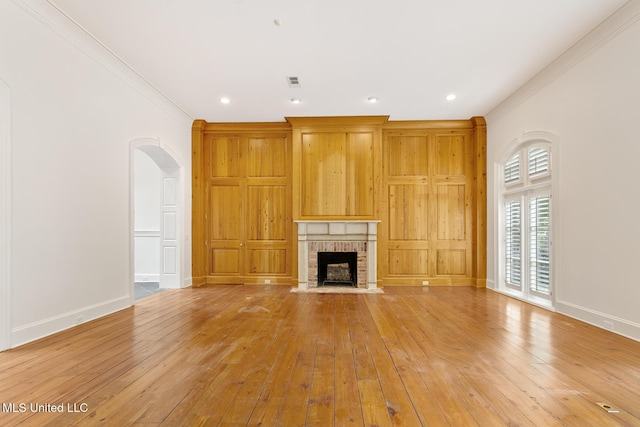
[[526, 263], [512, 170], [539, 244], [538, 161], [512, 250]]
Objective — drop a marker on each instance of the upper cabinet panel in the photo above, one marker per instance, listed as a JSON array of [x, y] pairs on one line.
[[408, 155], [451, 158], [337, 163], [267, 157], [224, 157]]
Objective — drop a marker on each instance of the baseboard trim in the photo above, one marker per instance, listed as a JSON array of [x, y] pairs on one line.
[[616, 325], [42, 328], [142, 278], [188, 282]]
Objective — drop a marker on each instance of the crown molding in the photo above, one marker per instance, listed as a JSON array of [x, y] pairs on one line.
[[624, 18], [51, 16]]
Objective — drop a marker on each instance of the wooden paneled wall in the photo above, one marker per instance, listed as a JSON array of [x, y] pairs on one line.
[[429, 206], [424, 180], [336, 166], [242, 226]]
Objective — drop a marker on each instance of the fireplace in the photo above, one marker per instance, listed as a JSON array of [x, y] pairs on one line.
[[357, 238], [337, 269]]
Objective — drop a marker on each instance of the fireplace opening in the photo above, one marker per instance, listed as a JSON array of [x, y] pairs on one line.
[[338, 268]]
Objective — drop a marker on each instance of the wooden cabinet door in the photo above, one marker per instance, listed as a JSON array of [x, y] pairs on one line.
[[425, 234], [225, 227], [268, 221], [249, 209]]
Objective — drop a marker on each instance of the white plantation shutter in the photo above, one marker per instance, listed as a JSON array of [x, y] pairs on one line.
[[513, 247], [512, 170], [538, 159], [539, 244]]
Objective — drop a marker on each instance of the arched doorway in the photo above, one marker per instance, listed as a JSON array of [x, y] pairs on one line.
[[156, 206]]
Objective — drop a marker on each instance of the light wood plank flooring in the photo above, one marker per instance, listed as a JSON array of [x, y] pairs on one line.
[[262, 356]]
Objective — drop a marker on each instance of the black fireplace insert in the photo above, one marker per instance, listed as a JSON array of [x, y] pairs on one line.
[[338, 269]]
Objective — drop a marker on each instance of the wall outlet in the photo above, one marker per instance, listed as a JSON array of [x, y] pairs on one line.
[[608, 325], [425, 283], [267, 281], [79, 320]]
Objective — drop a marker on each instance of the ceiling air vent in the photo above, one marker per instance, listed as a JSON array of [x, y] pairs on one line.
[[293, 81]]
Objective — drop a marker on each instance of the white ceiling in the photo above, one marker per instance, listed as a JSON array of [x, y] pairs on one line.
[[409, 53]]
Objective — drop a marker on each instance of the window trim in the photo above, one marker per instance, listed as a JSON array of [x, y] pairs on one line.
[[545, 182]]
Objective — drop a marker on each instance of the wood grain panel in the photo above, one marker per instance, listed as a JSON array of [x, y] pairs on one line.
[[248, 209], [440, 217], [224, 157], [406, 262], [267, 207], [408, 155], [267, 261], [408, 212], [360, 174], [225, 261], [199, 204], [451, 156], [451, 211], [324, 174], [225, 210], [451, 262], [266, 157]]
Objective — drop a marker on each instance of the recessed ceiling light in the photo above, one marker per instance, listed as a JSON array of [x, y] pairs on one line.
[[372, 99], [451, 97], [225, 100], [296, 100]]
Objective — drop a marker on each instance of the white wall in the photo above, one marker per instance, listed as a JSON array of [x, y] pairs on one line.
[[74, 111], [589, 98]]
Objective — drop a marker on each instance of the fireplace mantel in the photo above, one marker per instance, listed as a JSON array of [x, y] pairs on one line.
[[361, 234]]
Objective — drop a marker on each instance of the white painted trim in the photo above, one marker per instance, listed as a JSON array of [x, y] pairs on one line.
[[538, 302], [169, 163], [6, 307], [52, 325], [66, 27], [501, 194], [146, 233], [145, 278], [617, 23], [620, 326]]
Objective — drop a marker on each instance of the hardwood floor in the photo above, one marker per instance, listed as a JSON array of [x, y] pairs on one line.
[[253, 355]]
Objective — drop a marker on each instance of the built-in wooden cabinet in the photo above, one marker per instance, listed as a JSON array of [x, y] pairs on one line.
[[424, 180], [336, 166], [244, 227], [428, 206]]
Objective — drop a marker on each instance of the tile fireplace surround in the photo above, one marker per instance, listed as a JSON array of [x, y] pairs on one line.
[[337, 236]]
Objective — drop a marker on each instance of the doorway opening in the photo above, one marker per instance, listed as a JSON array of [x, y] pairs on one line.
[[156, 249]]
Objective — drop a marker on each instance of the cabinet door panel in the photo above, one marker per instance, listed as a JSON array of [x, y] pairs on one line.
[[224, 159], [267, 157], [404, 262], [267, 213], [452, 211], [225, 261], [408, 212], [267, 261], [225, 212]]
